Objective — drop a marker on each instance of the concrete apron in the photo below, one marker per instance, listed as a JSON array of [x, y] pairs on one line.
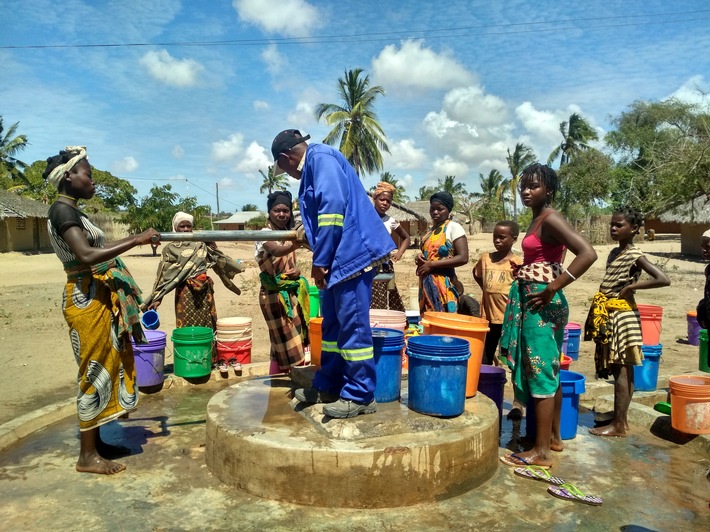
[[645, 481]]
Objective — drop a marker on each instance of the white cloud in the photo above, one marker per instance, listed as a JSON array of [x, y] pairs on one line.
[[448, 166], [226, 182], [253, 159], [229, 149], [171, 71], [260, 105], [543, 124], [694, 91], [303, 114], [126, 165], [412, 65], [295, 18], [404, 155], [178, 152], [273, 59], [472, 105]]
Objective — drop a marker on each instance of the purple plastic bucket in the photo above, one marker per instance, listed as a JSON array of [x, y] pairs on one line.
[[150, 359], [693, 329], [491, 383]]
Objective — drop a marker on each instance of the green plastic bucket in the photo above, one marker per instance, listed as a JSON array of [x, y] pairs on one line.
[[703, 362], [315, 301], [192, 349]]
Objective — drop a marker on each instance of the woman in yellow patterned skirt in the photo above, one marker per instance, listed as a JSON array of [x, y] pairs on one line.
[[100, 305]]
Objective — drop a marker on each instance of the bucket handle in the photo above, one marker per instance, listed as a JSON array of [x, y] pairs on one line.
[[245, 346], [178, 355]]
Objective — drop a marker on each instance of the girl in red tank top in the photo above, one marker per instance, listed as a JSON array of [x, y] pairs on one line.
[[537, 311]]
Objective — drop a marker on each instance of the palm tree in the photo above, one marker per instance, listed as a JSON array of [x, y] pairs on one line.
[[361, 138], [10, 146], [521, 157], [272, 182], [492, 195], [576, 135], [399, 195]]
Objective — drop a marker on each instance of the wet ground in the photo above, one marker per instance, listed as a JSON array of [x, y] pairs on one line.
[[647, 483]]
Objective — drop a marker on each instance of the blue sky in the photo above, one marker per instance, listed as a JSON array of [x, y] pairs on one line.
[[464, 80]]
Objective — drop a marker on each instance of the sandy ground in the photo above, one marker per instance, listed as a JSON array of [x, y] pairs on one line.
[[38, 367]]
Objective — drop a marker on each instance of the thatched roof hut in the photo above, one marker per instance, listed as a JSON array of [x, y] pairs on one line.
[[694, 220], [23, 223], [413, 222]]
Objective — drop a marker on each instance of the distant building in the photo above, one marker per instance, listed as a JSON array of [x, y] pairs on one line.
[[237, 221], [23, 223], [411, 221], [693, 219]]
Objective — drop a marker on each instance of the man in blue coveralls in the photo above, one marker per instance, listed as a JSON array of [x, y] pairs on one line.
[[348, 240]]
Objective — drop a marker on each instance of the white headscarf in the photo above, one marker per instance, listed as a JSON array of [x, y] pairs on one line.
[[181, 217], [706, 234], [55, 177]]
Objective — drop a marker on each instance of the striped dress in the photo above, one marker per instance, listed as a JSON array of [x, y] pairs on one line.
[[622, 342]]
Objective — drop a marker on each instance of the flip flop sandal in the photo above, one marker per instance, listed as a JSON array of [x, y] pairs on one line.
[[534, 472], [517, 461], [236, 366], [569, 492]]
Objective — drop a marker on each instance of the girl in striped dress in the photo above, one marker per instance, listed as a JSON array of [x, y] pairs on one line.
[[614, 322]]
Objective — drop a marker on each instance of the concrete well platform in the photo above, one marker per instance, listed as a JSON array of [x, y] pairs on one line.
[[264, 442]]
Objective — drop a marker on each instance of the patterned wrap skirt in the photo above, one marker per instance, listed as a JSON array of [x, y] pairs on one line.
[[532, 341], [106, 378], [287, 334]]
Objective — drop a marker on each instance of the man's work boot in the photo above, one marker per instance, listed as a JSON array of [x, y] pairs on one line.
[[343, 409], [312, 396]]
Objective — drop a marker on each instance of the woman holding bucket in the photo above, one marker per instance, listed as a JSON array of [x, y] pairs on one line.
[[384, 297], [283, 296], [614, 322], [537, 311], [100, 305], [183, 268], [443, 248]]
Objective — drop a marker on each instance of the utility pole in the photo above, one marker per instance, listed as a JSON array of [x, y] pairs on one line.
[[216, 187]]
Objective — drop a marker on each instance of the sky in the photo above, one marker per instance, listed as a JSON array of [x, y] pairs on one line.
[[191, 94]]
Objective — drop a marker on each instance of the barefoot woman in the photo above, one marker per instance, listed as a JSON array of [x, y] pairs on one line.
[[537, 310], [100, 305]]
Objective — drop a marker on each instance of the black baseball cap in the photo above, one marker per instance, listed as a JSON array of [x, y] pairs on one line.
[[286, 140]]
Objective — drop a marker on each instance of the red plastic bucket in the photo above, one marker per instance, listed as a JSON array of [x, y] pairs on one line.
[[239, 350], [651, 316]]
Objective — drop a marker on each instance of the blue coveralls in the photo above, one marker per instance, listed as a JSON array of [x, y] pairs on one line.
[[347, 237]]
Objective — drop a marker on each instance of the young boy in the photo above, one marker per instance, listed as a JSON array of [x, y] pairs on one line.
[[494, 274]]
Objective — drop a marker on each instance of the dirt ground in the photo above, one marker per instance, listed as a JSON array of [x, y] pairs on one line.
[[38, 367]]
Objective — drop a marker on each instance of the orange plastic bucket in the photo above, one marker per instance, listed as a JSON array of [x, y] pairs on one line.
[[565, 362], [690, 404], [316, 337], [460, 326], [651, 316]]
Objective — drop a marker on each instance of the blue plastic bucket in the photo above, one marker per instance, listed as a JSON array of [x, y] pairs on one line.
[[491, 383], [150, 359], [574, 333], [437, 374], [572, 385], [387, 345], [646, 376], [150, 320]]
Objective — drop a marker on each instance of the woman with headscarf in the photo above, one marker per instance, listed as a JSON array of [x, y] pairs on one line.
[[283, 296], [443, 248], [183, 268], [100, 305], [382, 296]]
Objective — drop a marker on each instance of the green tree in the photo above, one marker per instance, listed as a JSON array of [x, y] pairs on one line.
[[157, 210], [399, 195], [490, 205], [664, 154], [11, 168], [576, 135], [249, 207], [425, 193], [521, 157], [584, 183], [272, 182], [355, 128]]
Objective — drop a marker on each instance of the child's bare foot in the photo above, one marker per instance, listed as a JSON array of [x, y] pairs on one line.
[[96, 464], [612, 430], [557, 445]]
